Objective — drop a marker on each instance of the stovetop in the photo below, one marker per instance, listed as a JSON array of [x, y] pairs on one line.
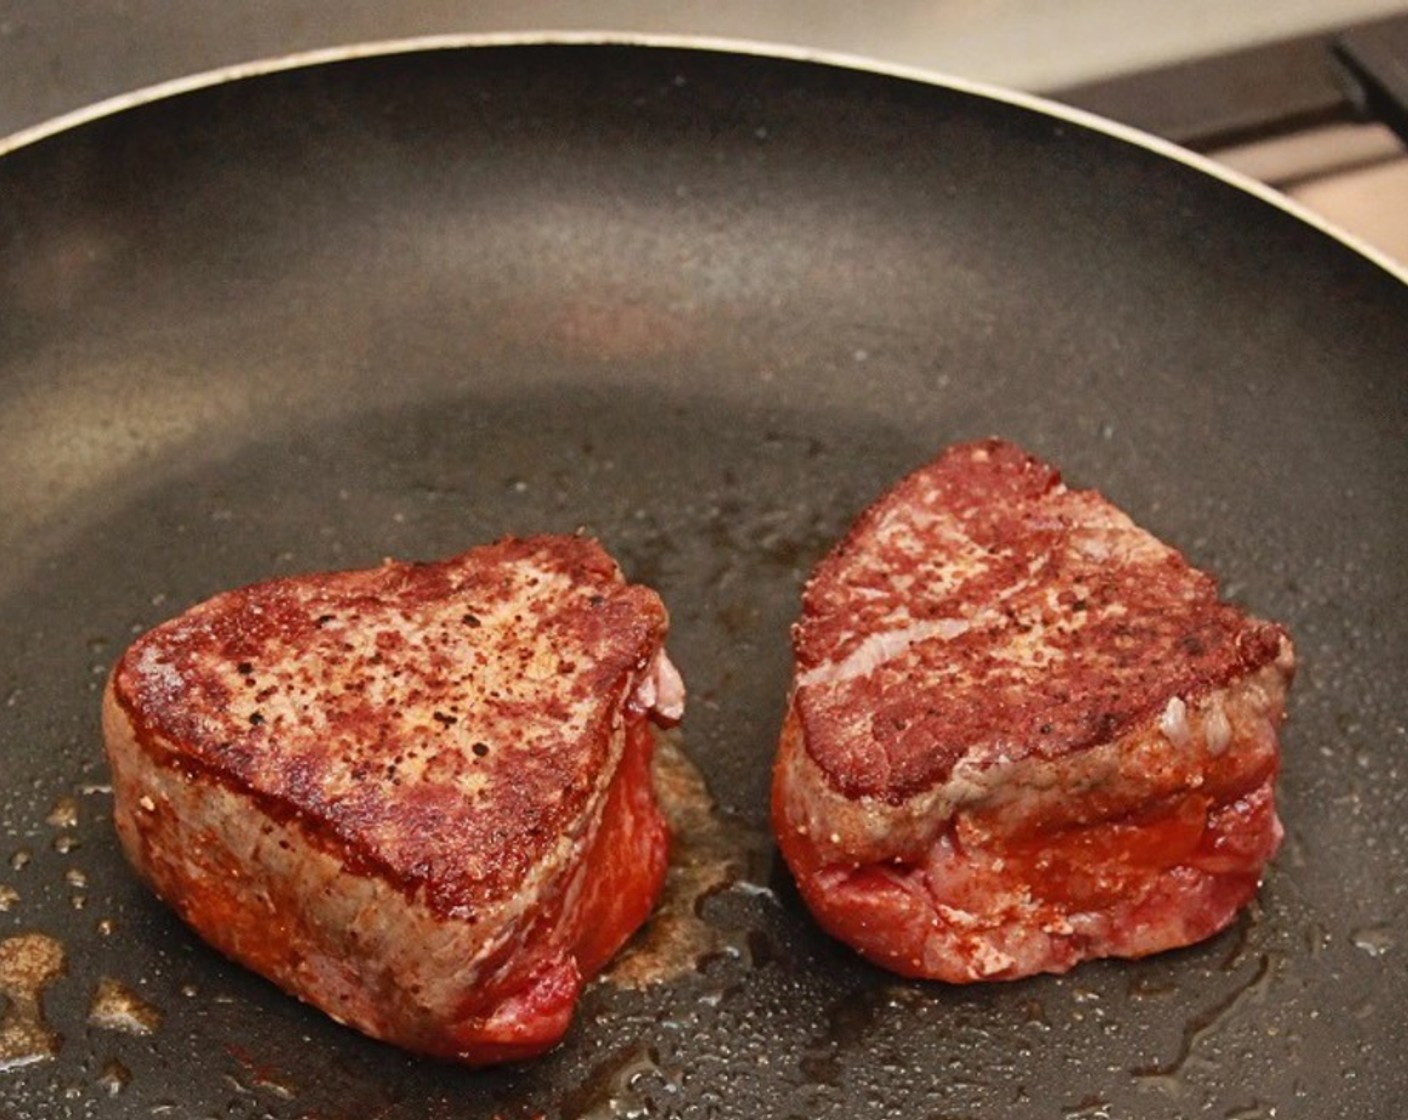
[[1322, 118]]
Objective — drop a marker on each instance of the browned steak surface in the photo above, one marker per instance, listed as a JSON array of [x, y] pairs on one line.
[[448, 742], [995, 669]]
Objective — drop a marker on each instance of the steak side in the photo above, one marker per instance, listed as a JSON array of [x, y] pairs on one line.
[[1022, 731], [417, 797]]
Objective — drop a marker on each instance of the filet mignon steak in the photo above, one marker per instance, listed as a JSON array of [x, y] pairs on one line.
[[1023, 732], [417, 796]]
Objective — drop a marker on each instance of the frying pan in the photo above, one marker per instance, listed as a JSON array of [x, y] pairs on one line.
[[706, 304]]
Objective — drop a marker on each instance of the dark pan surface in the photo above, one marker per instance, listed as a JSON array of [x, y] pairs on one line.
[[708, 306]]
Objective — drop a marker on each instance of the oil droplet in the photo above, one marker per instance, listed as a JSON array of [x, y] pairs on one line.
[[1374, 940], [116, 1007], [28, 964], [114, 1078], [707, 855], [20, 860], [105, 926], [75, 878], [65, 844], [64, 814], [8, 897]]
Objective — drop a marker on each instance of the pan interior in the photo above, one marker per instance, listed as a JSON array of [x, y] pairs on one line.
[[705, 307]]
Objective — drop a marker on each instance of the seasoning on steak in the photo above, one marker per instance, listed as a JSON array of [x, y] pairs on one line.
[[417, 797], [1022, 731]]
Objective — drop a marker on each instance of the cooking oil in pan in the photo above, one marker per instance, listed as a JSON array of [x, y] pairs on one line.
[[1168, 1075], [708, 854], [614, 1087], [115, 1007], [29, 963], [64, 814]]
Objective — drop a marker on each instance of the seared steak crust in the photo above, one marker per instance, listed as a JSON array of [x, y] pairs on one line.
[[1022, 730], [416, 796]]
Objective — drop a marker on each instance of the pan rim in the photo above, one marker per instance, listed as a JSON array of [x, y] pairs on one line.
[[451, 41]]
